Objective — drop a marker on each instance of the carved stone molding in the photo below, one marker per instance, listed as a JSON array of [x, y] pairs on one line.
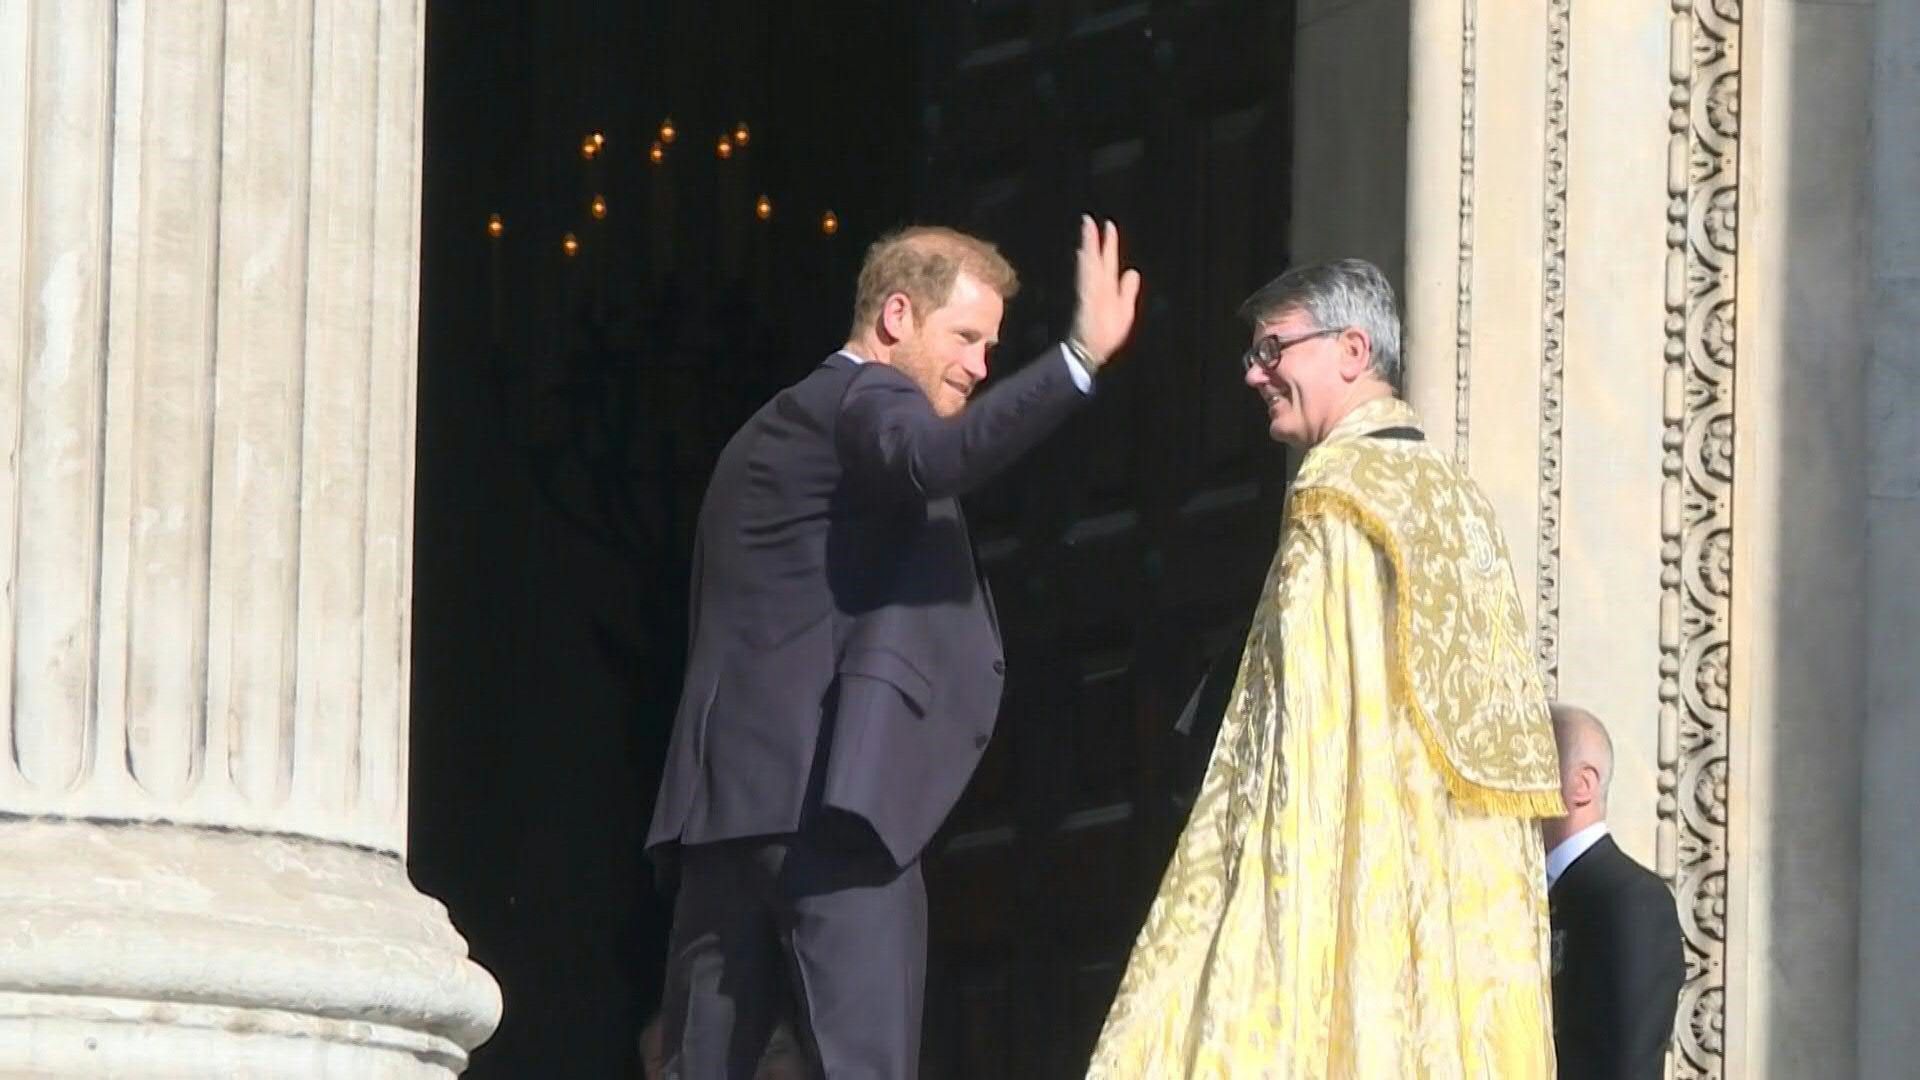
[[1553, 340], [1463, 295], [1697, 506]]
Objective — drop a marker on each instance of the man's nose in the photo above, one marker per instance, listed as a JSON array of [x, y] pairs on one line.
[[976, 363], [1256, 376]]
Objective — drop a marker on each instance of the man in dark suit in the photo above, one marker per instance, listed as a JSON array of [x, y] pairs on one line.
[[1617, 965], [845, 666]]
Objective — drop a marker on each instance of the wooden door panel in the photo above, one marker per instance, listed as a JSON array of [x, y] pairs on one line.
[[1231, 221], [1103, 756], [1126, 552]]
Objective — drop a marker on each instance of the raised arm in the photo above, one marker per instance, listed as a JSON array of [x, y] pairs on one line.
[[891, 439], [889, 434]]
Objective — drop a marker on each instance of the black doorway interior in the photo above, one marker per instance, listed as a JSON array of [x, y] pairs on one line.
[[571, 399]]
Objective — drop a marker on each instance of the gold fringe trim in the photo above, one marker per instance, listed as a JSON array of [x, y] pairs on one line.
[[1531, 803]]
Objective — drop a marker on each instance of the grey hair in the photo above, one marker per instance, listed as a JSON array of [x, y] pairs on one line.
[[1336, 295]]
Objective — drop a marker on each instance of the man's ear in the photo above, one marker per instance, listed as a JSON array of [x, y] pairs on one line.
[[1356, 353], [896, 317], [1586, 785]]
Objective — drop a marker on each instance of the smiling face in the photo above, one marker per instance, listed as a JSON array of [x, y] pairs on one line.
[[1320, 375], [945, 352]]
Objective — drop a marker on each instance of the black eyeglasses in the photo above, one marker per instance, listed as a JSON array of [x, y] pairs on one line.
[[1267, 351]]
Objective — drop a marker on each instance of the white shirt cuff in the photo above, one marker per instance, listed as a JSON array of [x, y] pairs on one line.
[[1082, 378]]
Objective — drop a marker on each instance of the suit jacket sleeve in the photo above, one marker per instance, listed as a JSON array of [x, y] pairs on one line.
[[1641, 984], [889, 436]]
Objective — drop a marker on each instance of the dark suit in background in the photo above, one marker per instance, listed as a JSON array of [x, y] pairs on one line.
[[843, 679], [1617, 967]]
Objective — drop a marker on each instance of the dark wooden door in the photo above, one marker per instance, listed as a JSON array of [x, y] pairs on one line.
[[1128, 551], [569, 422]]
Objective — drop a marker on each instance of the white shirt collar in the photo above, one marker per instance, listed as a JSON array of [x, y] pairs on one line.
[[851, 355], [1566, 851]]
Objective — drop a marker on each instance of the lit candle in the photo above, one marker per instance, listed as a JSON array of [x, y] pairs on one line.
[[728, 191], [496, 228], [660, 207]]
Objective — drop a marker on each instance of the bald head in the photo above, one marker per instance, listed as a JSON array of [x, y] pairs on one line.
[[1586, 771], [1583, 740]]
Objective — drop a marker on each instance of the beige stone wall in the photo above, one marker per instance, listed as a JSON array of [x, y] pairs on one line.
[[1537, 307], [1350, 146], [1889, 858], [1801, 668]]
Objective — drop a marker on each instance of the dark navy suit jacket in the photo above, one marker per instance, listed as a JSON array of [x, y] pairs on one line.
[[844, 651], [1617, 967]]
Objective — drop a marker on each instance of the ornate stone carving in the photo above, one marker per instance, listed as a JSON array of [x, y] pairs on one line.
[[1463, 295], [1553, 338], [1697, 512]]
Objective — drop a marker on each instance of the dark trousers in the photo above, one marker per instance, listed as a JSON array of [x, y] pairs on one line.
[[821, 919]]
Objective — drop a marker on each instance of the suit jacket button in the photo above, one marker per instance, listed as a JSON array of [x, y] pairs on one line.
[[979, 742], [999, 667]]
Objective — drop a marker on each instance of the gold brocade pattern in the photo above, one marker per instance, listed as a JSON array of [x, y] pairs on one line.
[[1334, 907], [1463, 657]]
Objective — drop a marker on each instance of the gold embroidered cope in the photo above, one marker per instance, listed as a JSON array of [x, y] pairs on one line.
[[1463, 662], [1360, 890]]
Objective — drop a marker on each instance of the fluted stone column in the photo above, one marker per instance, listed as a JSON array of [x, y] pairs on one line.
[[208, 279]]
